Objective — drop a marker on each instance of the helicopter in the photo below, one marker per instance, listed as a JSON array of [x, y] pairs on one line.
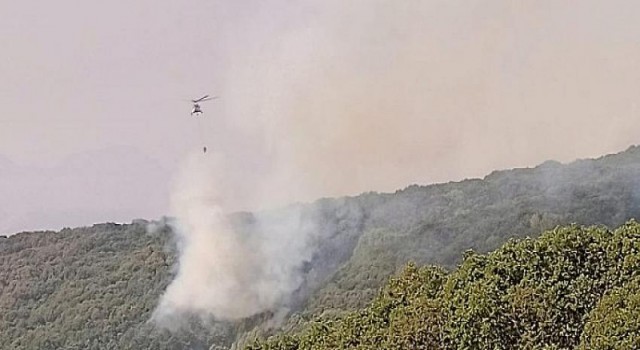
[[196, 111]]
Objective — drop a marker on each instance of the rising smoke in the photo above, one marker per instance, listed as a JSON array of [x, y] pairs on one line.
[[340, 98], [224, 272]]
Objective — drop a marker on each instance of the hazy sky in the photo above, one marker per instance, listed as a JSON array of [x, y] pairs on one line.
[[318, 98]]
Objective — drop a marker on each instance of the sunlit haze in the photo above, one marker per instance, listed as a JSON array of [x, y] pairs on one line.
[[316, 98]]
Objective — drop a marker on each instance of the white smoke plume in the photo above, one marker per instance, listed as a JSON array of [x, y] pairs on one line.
[[224, 273], [335, 98]]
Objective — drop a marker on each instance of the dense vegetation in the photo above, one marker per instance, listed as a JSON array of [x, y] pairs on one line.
[[572, 288], [89, 288], [435, 224], [96, 287]]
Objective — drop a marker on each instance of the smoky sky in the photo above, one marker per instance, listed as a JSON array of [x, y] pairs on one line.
[[319, 98]]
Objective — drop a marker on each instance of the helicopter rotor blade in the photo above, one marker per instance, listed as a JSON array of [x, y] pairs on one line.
[[200, 99], [204, 98]]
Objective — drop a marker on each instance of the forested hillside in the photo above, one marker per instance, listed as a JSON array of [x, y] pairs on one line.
[[90, 288], [96, 287], [573, 288], [435, 224]]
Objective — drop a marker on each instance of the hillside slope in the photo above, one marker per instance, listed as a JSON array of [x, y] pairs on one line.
[[435, 224], [573, 288], [96, 287], [89, 288]]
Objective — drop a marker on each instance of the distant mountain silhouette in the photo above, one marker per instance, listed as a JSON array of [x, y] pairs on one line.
[[114, 184]]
